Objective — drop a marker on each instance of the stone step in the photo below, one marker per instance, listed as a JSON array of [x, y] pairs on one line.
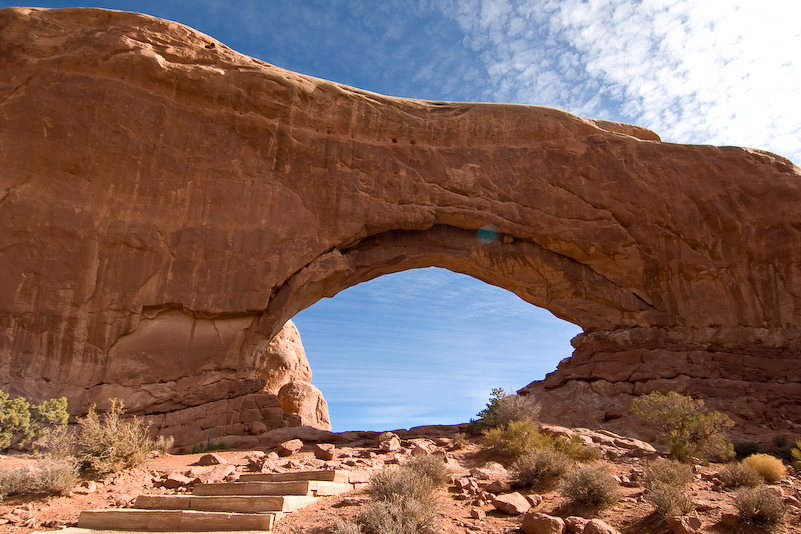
[[328, 475], [173, 520], [224, 503], [318, 488]]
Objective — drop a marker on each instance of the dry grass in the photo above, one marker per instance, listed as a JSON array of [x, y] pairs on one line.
[[759, 506], [50, 477], [540, 467], [113, 444], [668, 472], [593, 485], [738, 474], [770, 468], [668, 499]]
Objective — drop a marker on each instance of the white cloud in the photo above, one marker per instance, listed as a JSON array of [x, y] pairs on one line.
[[720, 72]]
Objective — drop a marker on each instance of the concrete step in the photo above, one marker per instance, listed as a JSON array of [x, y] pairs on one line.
[[327, 475], [224, 503], [173, 520], [318, 488]]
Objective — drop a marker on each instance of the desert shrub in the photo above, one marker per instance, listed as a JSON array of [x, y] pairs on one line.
[[540, 467], [592, 485], [667, 472], [399, 481], [759, 506], [795, 455], [460, 440], [431, 467], [516, 438], [738, 474], [745, 449], [687, 429], [517, 408], [400, 515], [57, 443], [23, 421], [209, 446], [669, 499], [576, 449], [163, 444], [770, 468], [112, 444], [346, 527], [52, 477]]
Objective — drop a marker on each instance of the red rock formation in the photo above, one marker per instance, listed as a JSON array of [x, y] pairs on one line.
[[158, 188]]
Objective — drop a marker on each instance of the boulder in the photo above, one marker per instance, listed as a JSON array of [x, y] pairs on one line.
[[288, 448], [211, 459], [325, 451], [305, 400], [597, 526], [511, 503]]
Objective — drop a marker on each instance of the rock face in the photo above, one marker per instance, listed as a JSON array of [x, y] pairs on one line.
[[166, 199]]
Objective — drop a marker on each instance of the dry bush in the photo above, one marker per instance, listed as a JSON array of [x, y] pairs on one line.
[[516, 438], [113, 444], [399, 481], [593, 485], [738, 474], [668, 472], [400, 515], [51, 477], [432, 467], [540, 467], [345, 527], [163, 444], [576, 449], [668, 499], [770, 468], [517, 408], [759, 506], [57, 443]]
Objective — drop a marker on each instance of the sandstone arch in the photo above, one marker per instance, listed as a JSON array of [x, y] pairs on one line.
[[151, 172]]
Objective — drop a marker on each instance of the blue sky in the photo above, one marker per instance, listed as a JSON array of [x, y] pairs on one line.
[[424, 347]]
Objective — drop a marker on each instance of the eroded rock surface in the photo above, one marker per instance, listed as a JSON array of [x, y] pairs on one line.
[[167, 199]]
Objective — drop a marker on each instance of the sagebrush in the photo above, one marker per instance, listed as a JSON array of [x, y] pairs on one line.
[[50, 477], [592, 485], [110, 443], [503, 408], [540, 468], [688, 430], [738, 474], [759, 506], [669, 472], [669, 500], [518, 438]]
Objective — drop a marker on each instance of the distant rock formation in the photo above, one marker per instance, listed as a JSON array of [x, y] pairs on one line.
[[168, 203]]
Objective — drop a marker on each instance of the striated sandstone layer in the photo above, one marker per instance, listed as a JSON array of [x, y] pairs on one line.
[[167, 201]]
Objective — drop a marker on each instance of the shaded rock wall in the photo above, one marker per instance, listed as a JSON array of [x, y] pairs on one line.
[[154, 180]]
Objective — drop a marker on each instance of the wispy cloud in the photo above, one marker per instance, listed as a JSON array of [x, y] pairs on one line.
[[720, 72]]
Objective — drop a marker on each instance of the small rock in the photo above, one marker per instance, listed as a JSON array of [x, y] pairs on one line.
[[384, 436], [211, 459], [443, 442], [534, 500], [325, 451], [538, 523], [575, 523], [288, 448], [498, 486], [511, 503], [355, 501], [176, 480], [477, 513], [596, 526], [703, 506], [729, 519], [684, 524], [390, 445]]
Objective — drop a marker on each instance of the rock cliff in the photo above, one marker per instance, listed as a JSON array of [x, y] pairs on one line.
[[166, 199]]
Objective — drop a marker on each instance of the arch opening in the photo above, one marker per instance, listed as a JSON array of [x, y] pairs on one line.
[[424, 347]]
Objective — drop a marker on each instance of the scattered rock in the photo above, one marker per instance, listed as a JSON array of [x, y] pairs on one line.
[[575, 523], [176, 480], [390, 445], [729, 519], [511, 503], [539, 523], [325, 451], [684, 524], [534, 500], [478, 513], [596, 526], [288, 448], [211, 459], [498, 486]]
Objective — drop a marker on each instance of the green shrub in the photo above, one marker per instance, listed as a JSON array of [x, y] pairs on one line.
[[576, 449], [540, 467], [113, 444], [23, 421], [668, 499], [593, 485], [687, 429], [738, 474], [667, 472], [516, 438], [770, 468], [759, 506], [51, 477]]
